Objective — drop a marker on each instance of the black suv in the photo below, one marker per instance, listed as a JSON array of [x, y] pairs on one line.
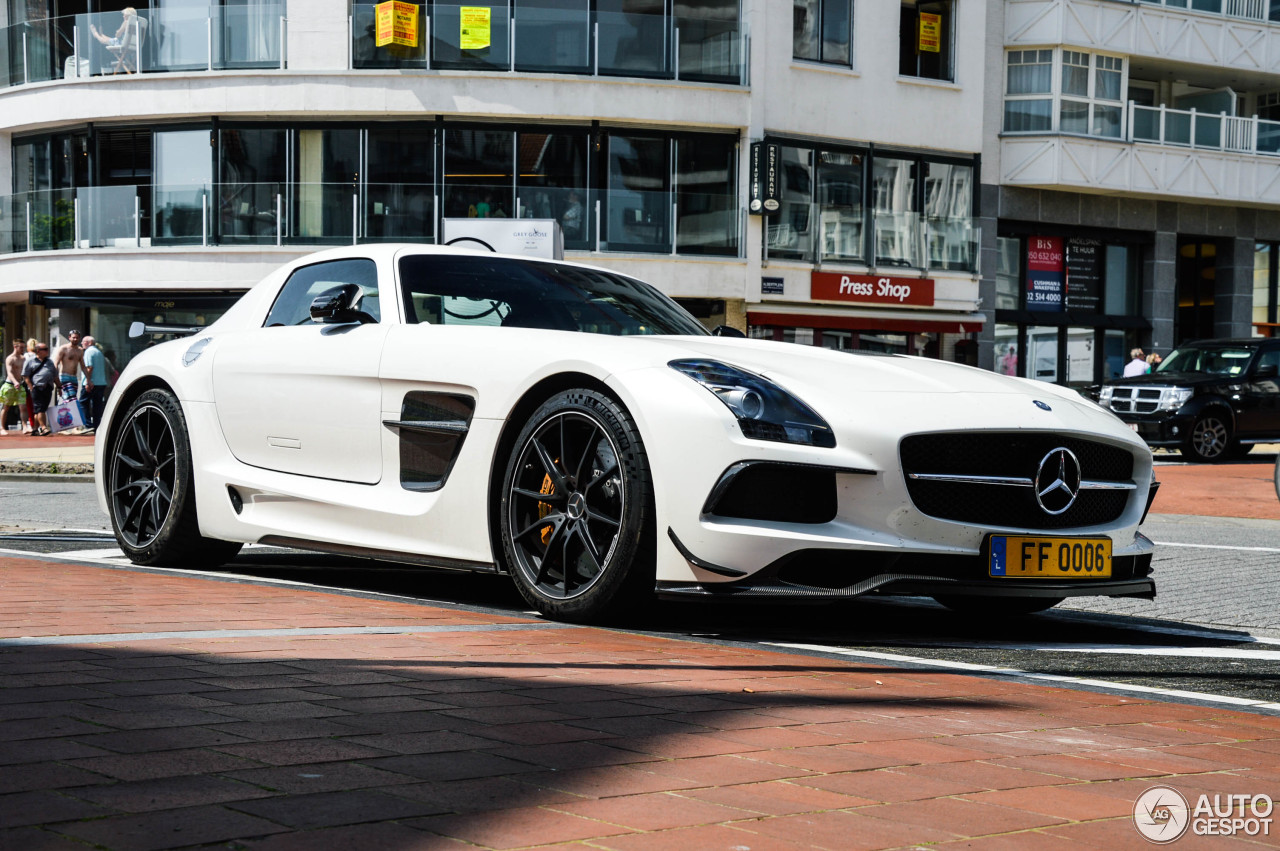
[[1213, 399]]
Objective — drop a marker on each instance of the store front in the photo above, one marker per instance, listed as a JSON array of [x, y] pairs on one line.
[[1068, 306]]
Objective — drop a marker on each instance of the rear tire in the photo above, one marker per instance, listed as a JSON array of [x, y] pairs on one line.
[[998, 607], [150, 495], [575, 515]]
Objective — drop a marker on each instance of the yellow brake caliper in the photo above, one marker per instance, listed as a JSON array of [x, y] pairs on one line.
[[544, 508]]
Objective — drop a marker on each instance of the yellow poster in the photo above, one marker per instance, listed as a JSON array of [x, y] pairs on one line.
[[397, 23], [384, 15], [476, 27], [930, 32]]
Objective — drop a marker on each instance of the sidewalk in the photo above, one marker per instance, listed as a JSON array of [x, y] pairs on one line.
[[56, 453], [149, 711]]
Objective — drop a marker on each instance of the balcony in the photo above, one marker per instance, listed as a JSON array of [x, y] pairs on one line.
[[1160, 152], [151, 41], [683, 222], [711, 46], [1237, 35]]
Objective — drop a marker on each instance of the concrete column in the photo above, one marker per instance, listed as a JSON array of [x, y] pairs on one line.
[[1159, 291], [1233, 296], [317, 35], [989, 260]]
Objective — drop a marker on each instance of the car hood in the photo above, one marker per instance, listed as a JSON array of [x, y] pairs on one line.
[[854, 372]]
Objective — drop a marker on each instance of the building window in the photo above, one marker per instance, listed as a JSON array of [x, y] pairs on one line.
[[822, 31], [1087, 97], [706, 211], [1008, 273], [1265, 273], [840, 213], [924, 40]]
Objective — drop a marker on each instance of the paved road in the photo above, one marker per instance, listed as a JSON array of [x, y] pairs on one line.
[[1214, 629]]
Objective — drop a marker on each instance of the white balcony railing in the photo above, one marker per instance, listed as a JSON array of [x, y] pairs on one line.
[[1188, 128], [1254, 10]]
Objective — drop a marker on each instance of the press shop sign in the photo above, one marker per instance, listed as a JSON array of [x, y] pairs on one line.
[[396, 23], [871, 289]]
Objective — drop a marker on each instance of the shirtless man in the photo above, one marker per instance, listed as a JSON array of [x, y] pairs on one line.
[[68, 360], [13, 392]]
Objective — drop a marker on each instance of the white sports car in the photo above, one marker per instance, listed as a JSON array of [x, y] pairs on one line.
[[577, 430]]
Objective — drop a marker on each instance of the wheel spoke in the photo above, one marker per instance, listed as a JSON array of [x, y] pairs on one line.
[[165, 492], [557, 496], [587, 453], [132, 463], [132, 517], [540, 523], [589, 547], [549, 464], [140, 438], [136, 483], [592, 514]]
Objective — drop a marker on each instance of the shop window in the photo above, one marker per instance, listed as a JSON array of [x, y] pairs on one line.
[[840, 177], [925, 40], [639, 201], [1008, 273], [478, 178], [399, 193], [552, 183], [706, 204], [1121, 281], [822, 30], [1265, 273], [789, 231], [1042, 353], [897, 227]]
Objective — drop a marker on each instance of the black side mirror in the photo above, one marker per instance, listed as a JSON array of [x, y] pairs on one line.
[[726, 331], [1267, 370], [339, 305]]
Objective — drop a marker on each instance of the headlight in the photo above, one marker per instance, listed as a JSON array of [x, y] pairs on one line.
[[1176, 397], [1104, 396], [764, 410]]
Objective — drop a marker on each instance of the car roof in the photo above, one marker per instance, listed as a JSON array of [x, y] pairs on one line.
[[1228, 341]]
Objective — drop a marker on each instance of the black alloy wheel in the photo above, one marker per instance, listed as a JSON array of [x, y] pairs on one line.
[[149, 488], [1210, 439], [576, 512]]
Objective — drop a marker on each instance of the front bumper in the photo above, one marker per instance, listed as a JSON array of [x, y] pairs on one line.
[[824, 574], [1156, 430]]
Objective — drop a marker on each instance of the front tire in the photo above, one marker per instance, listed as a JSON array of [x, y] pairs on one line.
[[150, 492], [576, 509], [1210, 439]]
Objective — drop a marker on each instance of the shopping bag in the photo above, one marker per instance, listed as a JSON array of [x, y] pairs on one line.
[[65, 415]]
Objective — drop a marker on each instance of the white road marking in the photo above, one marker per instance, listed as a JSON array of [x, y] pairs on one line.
[[992, 670], [1114, 649], [1218, 547]]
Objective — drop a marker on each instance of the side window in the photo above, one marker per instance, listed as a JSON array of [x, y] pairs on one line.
[[1271, 358], [293, 304]]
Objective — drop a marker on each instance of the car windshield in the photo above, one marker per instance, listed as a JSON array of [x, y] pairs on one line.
[[475, 289], [1214, 360]]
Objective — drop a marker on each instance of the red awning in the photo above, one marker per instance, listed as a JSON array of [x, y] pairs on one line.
[[944, 322]]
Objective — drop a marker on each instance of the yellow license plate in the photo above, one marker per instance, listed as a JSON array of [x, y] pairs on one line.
[[1050, 558]]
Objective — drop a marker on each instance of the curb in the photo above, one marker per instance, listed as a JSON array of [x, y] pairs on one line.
[[46, 477]]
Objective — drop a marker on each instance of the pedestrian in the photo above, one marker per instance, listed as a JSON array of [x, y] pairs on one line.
[[1153, 362], [26, 359], [93, 385], [1137, 366], [13, 393], [42, 379], [68, 359]]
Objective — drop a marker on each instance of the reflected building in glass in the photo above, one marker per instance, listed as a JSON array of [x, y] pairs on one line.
[[157, 159]]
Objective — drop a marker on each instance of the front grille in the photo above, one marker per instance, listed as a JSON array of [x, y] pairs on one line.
[[1136, 400], [1011, 455]]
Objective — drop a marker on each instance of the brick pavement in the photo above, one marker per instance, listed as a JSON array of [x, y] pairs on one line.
[[1219, 490], [458, 729]]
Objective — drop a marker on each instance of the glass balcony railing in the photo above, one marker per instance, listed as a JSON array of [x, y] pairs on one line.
[[1210, 131], [150, 41], [342, 214], [535, 37]]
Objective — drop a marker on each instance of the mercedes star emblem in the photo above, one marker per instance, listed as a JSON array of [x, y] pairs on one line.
[[1058, 481]]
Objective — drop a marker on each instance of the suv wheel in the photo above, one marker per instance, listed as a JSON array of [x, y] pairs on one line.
[[1210, 439]]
